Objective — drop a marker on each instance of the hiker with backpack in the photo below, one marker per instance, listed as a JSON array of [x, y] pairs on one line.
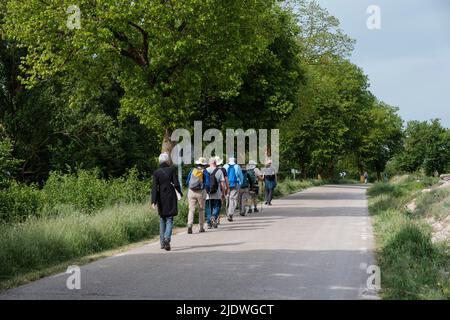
[[235, 179], [255, 175], [244, 192], [270, 181], [214, 197], [164, 198], [199, 185], [219, 163]]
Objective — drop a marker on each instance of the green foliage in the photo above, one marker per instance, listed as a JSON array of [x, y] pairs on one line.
[[289, 186], [383, 138], [8, 164], [86, 192], [165, 55], [19, 202], [82, 191], [329, 121], [270, 87], [426, 147]]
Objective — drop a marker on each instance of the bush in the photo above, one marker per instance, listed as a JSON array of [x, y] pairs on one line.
[[86, 192], [19, 201], [83, 191]]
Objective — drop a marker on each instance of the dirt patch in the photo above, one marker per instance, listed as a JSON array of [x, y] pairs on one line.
[[441, 229]]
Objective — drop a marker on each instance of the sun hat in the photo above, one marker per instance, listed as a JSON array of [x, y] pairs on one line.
[[232, 160], [201, 161], [212, 160], [219, 161], [252, 164]]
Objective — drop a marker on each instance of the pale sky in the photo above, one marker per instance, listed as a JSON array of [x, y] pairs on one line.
[[408, 60]]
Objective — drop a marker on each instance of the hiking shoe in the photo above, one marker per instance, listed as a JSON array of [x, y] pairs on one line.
[[189, 230], [163, 245], [250, 211], [230, 218], [202, 230], [215, 224], [209, 226], [167, 245], [255, 210]]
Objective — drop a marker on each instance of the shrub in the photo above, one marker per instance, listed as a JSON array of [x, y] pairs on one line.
[[19, 201], [86, 192]]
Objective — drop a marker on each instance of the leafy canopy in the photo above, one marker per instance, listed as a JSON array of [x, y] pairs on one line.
[[164, 53]]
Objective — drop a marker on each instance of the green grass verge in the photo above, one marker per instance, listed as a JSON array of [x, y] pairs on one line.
[[412, 267]]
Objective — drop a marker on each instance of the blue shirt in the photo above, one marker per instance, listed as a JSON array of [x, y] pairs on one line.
[[238, 171]]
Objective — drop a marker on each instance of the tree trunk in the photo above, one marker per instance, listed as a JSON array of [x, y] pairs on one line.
[[331, 170], [167, 144], [361, 174]]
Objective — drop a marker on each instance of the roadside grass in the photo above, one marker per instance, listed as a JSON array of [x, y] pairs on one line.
[[42, 242], [289, 186], [75, 233], [412, 267]]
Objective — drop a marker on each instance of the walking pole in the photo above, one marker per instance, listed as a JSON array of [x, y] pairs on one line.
[[262, 189]]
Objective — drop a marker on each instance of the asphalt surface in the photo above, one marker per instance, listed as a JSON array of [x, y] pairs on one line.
[[316, 244]]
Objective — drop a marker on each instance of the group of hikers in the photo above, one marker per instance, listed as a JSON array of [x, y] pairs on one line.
[[211, 186]]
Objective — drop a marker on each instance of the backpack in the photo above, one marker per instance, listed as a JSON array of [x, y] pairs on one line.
[[251, 178], [214, 183], [232, 177], [196, 180], [245, 183]]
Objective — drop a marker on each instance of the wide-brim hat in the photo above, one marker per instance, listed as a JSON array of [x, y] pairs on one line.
[[251, 164], [219, 161], [201, 161]]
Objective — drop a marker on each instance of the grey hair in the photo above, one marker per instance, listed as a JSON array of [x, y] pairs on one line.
[[163, 158]]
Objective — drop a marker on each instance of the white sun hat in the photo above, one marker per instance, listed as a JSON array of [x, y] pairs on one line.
[[219, 161], [201, 161], [252, 164]]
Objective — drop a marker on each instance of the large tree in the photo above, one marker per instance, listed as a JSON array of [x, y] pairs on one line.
[[426, 147], [383, 138], [164, 53]]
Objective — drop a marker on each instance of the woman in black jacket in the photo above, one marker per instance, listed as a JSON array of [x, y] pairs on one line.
[[164, 198]]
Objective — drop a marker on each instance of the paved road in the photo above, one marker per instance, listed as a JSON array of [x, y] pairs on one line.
[[310, 245]]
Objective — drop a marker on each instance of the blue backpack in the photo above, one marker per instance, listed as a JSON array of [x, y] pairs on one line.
[[232, 177]]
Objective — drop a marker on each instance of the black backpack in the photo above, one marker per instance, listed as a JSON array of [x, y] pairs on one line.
[[213, 181]]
